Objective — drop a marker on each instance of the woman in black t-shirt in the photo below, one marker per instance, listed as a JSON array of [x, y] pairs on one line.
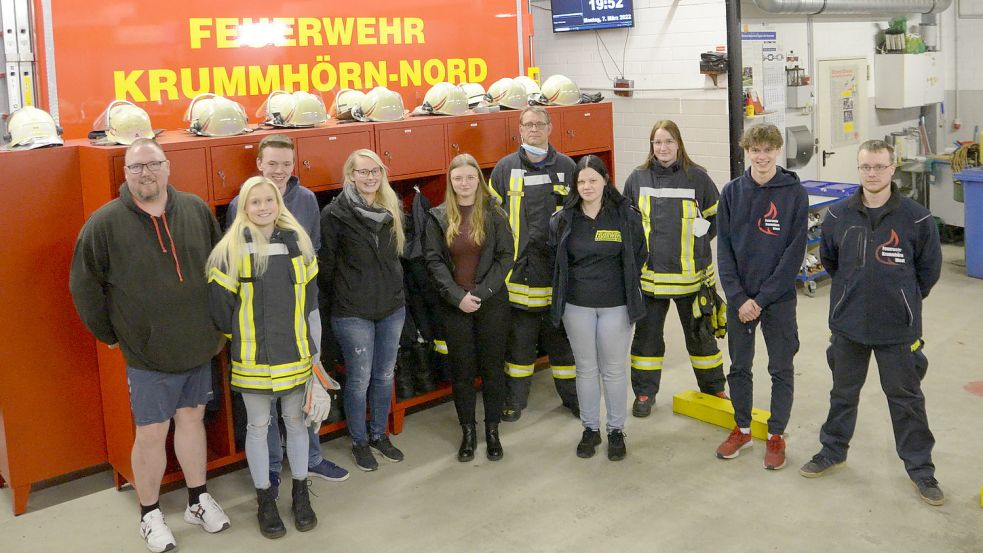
[[600, 246]]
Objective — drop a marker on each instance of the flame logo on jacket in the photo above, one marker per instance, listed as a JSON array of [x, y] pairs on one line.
[[768, 223], [889, 253]]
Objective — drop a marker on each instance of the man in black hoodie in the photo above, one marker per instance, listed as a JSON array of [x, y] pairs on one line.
[[761, 226], [884, 255]]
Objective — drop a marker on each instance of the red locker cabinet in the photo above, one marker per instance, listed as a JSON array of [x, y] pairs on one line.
[[50, 405]]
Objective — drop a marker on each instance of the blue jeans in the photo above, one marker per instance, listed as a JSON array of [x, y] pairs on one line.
[[369, 349], [275, 445]]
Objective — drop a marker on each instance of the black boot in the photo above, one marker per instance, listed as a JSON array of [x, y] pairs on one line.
[[270, 524], [304, 517], [469, 442], [492, 443], [422, 377], [404, 374]]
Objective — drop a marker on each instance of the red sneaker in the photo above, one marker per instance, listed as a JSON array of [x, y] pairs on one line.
[[775, 453], [733, 445]]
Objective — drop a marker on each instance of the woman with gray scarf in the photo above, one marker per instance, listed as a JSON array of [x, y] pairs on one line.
[[362, 279]]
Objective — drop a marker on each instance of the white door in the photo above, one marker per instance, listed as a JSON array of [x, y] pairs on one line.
[[841, 111]]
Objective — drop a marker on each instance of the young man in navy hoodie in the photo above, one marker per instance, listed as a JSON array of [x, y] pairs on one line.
[[761, 240], [884, 255]]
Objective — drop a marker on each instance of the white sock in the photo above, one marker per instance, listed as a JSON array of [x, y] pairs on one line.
[[745, 431]]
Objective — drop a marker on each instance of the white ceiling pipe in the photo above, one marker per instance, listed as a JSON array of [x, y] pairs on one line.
[[860, 7]]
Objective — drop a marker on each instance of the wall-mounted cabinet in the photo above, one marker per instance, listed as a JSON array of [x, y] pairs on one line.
[[908, 80]]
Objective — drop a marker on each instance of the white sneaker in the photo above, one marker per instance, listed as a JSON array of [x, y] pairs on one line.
[[155, 532], [207, 514]]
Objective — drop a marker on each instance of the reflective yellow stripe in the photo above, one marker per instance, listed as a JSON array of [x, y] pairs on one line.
[[561, 189], [440, 347], [247, 328], [711, 211], [641, 363], [705, 362], [223, 280], [311, 270], [270, 377], [495, 194], [686, 262], [529, 296], [300, 311], [518, 371], [564, 372], [916, 345], [645, 205]]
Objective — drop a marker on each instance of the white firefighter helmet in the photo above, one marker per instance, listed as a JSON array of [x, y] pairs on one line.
[[29, 128], [211, 115], [559, 90], [507, 93], [300, 109], [124, 122], [445, 99], [474, 91], [344, 101], [380, 104], [532, 87]]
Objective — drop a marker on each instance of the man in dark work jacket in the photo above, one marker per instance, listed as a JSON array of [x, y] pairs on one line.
[[884, 255]]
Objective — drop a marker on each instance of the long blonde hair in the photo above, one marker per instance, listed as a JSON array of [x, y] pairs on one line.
[[385, 198], [477, 218], [228, 253]]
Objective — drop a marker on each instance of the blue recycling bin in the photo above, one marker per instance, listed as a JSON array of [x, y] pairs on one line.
[[972, 180]]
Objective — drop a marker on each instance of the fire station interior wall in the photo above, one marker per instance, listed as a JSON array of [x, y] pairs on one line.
[[662, 52], [961, 39]]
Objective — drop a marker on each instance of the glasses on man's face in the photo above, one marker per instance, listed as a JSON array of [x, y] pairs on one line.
[[365, 173], [667, 143], [137, 168], [470, 179], [872, 168], [535, 126]]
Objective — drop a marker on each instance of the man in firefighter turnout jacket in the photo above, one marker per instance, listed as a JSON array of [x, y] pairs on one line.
[[678, 202], [531, 185]]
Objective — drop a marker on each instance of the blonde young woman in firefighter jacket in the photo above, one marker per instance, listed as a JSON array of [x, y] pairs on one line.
[[262, 293], [531, 185], [678, 202]]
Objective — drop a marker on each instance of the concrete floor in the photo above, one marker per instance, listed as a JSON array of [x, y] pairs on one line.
[[670, 494]]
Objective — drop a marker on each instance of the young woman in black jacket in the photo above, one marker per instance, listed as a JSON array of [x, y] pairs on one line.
[[362, 279], [469, 250], [600, 247]]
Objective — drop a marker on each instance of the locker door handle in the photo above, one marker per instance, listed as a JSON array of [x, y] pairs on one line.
[[456, 146], [388, 155], [826, 156], [221, 175], [307, 164]]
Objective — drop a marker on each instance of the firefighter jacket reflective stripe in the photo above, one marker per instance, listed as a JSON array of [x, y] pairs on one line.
[[679, 208], [530, 193], [881, 268], [267, 317]]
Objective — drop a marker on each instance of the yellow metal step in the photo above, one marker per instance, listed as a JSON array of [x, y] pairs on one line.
[[718, 411]]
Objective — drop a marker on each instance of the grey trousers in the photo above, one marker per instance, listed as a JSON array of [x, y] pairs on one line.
[[600, 339], [258, 424]]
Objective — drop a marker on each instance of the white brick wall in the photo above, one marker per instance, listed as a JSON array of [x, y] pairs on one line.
[[663, 54]]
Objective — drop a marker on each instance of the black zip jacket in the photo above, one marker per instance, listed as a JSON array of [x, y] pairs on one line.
[[493, 264], [632, 254], [140, 281], [881, 269], [360, 272], [761, 238]]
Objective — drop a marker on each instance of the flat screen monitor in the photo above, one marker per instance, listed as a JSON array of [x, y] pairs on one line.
[[586, 15]]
